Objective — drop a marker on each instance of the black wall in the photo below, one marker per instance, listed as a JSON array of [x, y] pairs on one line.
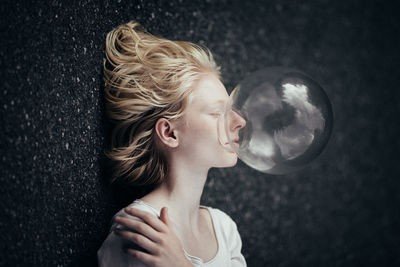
[[342, 210]]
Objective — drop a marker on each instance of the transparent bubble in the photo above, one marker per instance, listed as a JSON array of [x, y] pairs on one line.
[[278, 120]]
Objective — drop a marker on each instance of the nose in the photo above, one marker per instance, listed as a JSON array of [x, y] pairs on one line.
[[237, 121]]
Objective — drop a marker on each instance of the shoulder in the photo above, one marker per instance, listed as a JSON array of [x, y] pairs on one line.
[[229, 235], [111, 251], [137, 204], [221, 216], [223, 222]]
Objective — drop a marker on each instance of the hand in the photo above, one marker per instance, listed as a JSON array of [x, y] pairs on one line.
[[155, 235]]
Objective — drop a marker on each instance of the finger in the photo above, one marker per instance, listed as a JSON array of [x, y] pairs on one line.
[[164, 216], [139, 227], [142, 256], [138, 239], [148, 218]]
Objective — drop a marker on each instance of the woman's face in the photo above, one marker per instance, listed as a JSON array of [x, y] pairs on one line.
[[199, 138]]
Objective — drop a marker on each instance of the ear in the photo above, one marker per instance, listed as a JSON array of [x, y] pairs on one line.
[[166, 133]]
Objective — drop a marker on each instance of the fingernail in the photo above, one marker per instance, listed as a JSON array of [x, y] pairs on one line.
[[128, 209]]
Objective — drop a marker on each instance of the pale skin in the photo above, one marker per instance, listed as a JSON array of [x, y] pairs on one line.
[[192, 147]]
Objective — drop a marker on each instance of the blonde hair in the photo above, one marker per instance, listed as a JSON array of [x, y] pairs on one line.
[[146, 78]]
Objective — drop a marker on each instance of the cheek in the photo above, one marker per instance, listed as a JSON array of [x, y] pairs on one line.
[[200, 144], [201, 132]]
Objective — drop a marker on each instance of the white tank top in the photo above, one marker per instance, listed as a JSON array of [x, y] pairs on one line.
[[228, 238]]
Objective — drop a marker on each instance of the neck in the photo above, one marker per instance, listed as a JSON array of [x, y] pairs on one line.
[[181, 193]]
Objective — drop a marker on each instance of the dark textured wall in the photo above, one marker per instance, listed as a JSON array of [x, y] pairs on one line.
[[342, 210]]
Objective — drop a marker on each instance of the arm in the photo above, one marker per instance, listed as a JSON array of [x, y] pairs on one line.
[[161, 246]]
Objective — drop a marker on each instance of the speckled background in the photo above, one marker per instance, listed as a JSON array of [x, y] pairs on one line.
[[342, 210]]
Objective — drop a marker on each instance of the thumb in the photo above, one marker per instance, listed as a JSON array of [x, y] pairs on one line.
[[164, 216]]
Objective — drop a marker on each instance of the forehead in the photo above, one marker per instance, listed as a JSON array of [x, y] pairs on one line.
[[208, 90]]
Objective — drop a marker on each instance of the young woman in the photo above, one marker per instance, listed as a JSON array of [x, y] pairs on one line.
[[165, 98]]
